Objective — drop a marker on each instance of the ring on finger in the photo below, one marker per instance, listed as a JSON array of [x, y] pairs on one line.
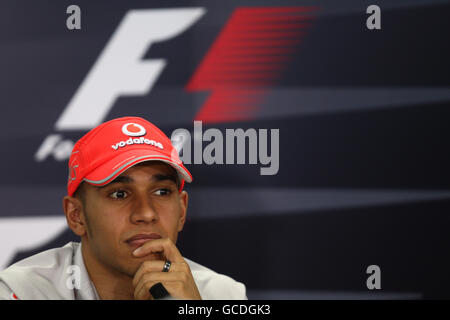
[[167, 265]]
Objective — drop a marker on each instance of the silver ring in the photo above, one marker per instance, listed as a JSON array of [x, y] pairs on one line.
[[167, 266]]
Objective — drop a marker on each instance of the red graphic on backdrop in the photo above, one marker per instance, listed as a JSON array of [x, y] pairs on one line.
[[247, 58]]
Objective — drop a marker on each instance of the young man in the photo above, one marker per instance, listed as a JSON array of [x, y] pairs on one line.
[[126, 202]]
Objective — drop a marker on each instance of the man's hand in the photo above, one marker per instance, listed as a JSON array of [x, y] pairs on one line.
[[179, 281]]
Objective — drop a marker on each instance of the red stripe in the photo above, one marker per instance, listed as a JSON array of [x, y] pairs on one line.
[[256, 51], [250, 52], [245, 27], [267, 36], [258, 43], [274, 10], [249, 59], [242, 75], [237, 83], [273, 19], [227, 68]]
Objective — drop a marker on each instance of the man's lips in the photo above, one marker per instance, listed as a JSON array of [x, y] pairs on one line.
[[139, 239]]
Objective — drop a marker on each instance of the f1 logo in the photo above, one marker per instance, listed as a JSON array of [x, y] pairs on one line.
[[119, 69]]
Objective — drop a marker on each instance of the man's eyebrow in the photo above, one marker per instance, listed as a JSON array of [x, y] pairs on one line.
[[162, 177]]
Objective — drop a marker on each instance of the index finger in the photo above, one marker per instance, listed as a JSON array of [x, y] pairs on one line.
[[164, 246]]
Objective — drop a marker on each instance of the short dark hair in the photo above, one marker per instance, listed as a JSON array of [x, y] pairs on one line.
[[80, 194]]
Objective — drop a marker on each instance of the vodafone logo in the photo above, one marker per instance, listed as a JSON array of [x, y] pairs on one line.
[[133, 129], [140, 140]]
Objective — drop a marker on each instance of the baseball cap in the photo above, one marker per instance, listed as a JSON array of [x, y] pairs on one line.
[[109, 149]]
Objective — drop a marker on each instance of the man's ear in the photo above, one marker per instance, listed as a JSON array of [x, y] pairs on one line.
[[184, 199], [73, 208]]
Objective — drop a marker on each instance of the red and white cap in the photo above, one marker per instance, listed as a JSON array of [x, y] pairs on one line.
[[109, 149]]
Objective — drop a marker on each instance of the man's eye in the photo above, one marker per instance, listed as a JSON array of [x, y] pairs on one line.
[[118, 194], [163, 192]]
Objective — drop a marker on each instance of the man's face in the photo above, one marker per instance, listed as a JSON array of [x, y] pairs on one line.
[[142, 200]]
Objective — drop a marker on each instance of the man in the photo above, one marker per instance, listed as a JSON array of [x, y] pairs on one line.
[[126, 202]]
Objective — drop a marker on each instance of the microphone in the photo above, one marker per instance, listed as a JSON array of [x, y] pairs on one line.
[[158, 291]]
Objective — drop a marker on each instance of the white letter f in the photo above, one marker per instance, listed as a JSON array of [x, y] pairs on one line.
[[119, 69]]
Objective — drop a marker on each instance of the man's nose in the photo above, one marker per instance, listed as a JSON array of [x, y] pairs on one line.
[[143, 210]]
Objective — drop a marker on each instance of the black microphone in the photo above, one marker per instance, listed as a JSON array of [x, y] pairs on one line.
[[158, 291]]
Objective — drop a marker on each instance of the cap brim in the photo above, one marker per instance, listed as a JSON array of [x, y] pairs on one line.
[[111, 169]]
